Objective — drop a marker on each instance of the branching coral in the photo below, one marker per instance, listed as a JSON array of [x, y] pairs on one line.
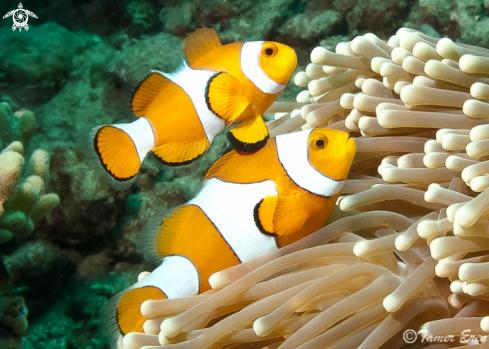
[[22, 192], [22, 202], [13, 322], [407, 247]]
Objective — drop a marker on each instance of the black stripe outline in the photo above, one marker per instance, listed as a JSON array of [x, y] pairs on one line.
[[247, 147], [206, 94], [176, 164], [99, 155], [256, 218]]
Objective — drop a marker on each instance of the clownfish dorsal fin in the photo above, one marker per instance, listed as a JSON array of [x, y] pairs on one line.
[[250, 135], [147, 91], [147, 237], [176, 154], [225, 96], [199, 43]]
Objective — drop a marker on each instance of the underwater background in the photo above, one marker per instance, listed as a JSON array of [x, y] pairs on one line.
[[77, 246]]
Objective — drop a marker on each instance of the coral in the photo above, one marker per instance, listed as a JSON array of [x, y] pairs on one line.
[[88, 206], [6, 115], [72, 321], [311, 26], [18, 126], [94, 266], [24, 67], [22, 202], [13, 322], [371, 15], [34, 261], [257, 20], [142, 18], [178, 20], [135, 60], [21, 205], [10, 171], [26, 206]]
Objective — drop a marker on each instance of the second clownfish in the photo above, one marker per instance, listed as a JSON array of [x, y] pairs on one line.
[[180, 113], [250, 205]]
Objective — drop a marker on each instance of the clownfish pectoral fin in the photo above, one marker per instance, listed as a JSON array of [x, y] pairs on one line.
[[249, 136], [199, 43], [290, 215], [121, 148], [122, 314], [147, 91], [225, 96], [264, 212], [176, 154]]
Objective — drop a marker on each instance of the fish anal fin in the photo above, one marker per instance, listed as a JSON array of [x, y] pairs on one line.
[[147, 91], [129, 317], [225, 96], [266, 210], [250, 135], [290, 215], [198, 44], [176, 154]]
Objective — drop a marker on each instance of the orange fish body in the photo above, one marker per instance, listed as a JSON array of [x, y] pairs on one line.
[[250, 205], [180, 113]]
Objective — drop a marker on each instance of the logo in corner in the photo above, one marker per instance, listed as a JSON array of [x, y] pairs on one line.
[[20, 17]]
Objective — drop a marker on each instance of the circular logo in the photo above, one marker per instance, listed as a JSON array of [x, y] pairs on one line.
[[410, 336], [20, 17]]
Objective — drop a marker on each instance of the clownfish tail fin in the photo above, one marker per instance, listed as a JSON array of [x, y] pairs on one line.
[[108, 322], [147, 237], [122, 314], [121, 148]]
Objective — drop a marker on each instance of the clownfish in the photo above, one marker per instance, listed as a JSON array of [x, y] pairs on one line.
[[180, 113], [250, 205]]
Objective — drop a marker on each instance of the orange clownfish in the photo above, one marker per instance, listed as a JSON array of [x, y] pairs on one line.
[[250, 205], [180, 113]]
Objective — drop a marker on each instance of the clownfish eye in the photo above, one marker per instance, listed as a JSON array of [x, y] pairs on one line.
[[319, 143], [269, 49]]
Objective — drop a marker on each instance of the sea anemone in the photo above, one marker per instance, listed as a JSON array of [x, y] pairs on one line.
[[404, 253]]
